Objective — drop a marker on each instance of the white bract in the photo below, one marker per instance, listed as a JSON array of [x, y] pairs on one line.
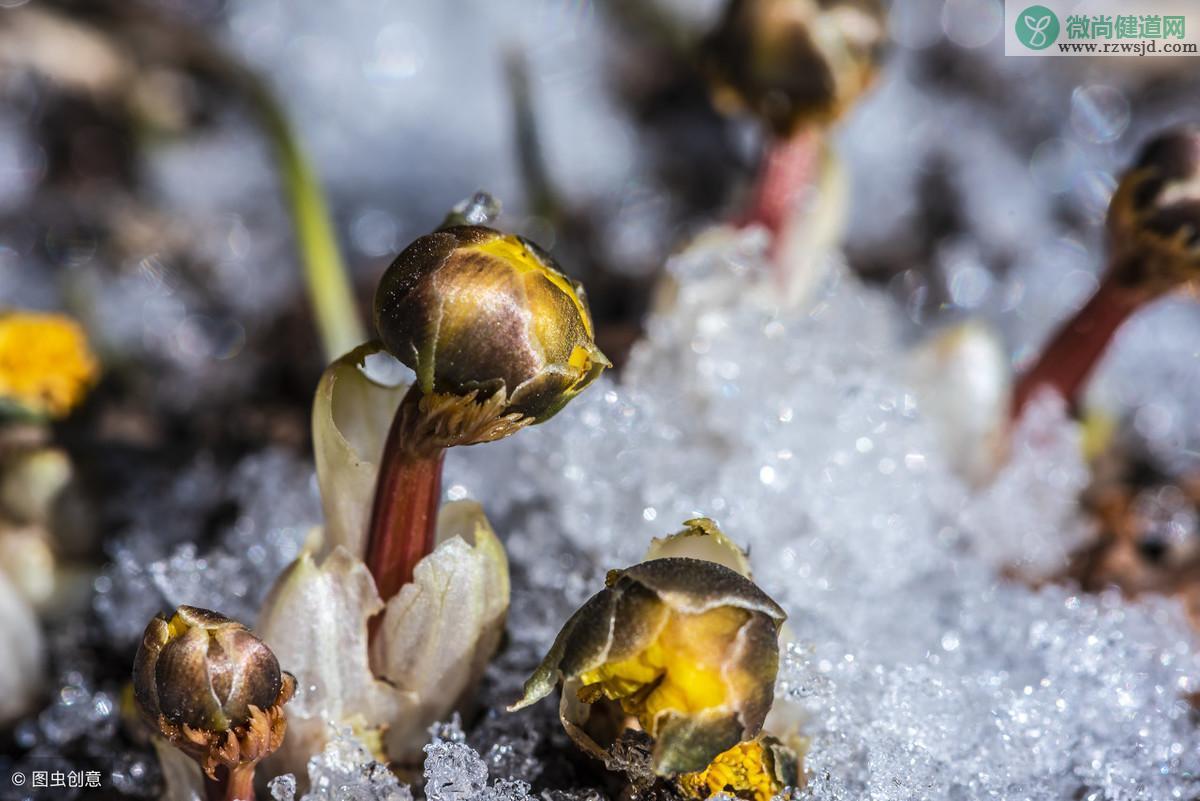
[[23, 656], [434, 637]]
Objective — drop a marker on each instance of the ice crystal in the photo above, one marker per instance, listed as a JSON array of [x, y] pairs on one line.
[[274, 498], [454, 771], [344, 771], [915, 667]]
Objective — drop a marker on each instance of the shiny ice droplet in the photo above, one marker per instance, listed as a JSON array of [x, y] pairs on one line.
[[1099, 113], [972, 23], [283, 788]]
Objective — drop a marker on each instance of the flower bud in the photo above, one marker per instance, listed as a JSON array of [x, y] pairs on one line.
[[793, 62], [1154, 217], [700, 538], [688, 647], [45, 365], [757, 770], [211, 687], [481, 314]]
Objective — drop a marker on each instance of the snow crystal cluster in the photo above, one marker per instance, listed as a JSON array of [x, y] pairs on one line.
[[344, 771], [454, 771], [158, 566], [919, 672]]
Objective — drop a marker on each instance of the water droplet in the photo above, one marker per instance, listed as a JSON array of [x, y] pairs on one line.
[[1099, 113]]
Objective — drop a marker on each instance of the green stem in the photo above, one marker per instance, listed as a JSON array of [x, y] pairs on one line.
[[329, 287]]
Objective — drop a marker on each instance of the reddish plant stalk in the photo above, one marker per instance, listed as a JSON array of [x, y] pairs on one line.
[[1065, 364], [407, 496], [788, 171], [231, 785]]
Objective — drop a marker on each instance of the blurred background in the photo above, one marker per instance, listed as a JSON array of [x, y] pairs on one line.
[[143, 192], [137, 192]]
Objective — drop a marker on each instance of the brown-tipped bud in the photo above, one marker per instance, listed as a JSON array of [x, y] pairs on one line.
[[1154, 218], [211, 687], [795, 62], [687, 647], [484, 315]]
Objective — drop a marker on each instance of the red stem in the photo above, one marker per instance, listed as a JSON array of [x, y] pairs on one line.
[[1076, 348], [231, 785], [404, 516], [787, 173]]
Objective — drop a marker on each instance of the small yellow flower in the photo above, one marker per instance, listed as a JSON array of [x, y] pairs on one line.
[[756, 770], [45, 365]]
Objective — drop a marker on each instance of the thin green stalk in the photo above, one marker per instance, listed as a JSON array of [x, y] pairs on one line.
[[325, 275]]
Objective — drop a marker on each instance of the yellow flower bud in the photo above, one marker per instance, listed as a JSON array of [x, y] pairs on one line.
[[687, 647], [793, 62], [481, 314], [211, 687], [45, 365], [756, 770], [1154, 217]]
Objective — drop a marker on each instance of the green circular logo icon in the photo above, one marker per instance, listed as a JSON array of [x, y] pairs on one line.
[[1037, 27]]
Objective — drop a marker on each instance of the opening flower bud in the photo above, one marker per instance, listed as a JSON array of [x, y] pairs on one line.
[[214, 690], [792, 62], [498, 339], [1154, 219], [687, 648], [1154, 239], [477, 312]]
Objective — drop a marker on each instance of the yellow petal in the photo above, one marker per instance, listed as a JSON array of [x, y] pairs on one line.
[[46, 367]]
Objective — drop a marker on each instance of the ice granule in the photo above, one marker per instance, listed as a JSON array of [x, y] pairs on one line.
[[917, 669], [1027, 517], [1151, 374], [344, 771], [158, 564], [454, 771], [283, 788]]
